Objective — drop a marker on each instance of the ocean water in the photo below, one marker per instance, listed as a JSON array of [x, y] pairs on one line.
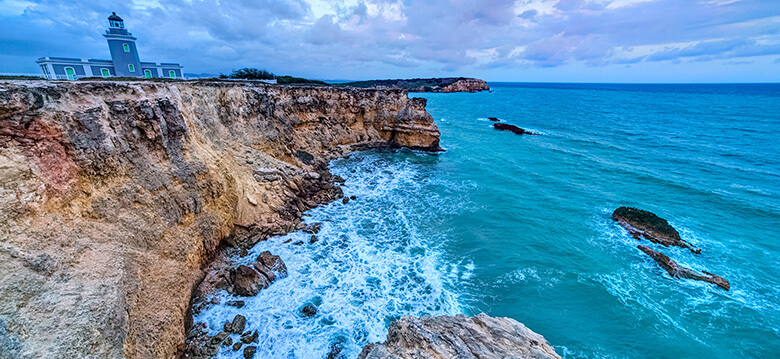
[[519, 226]]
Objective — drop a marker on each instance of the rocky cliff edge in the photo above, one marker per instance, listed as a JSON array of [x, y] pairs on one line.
[[114, 195]]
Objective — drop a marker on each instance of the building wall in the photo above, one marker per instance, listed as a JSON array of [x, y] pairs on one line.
[[122, 59], [96, 70], [154, 71], [59, 69], [166, 69]]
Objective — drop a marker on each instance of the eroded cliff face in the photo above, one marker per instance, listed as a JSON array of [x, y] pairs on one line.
[[113, 196]]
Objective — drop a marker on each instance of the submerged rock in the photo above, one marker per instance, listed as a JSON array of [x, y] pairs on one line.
[[311, 228], [235, 303], [309, 310], [459, 337], [513, 129], [676, 271], [335, 351], [494, 119], [645, 224]]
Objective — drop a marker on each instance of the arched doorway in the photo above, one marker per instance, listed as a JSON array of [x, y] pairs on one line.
[[70, 73]]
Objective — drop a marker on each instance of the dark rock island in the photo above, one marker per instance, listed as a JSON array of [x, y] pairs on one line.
[[513, 129], [644, 224]]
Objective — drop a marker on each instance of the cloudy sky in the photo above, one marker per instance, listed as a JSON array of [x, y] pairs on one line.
[[498, 40]]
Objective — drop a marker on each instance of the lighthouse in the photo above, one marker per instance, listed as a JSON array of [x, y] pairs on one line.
[[121, 43], [124, 62]]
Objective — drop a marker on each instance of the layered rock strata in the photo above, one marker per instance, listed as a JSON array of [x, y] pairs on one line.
[[115, 197], [449, 337]]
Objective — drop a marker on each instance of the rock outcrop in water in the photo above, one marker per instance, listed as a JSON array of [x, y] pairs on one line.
[[644, 224], [114, 196], [461, 337], [677, 271], [513, 129]]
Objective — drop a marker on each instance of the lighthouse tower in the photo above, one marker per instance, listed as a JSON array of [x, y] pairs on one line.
[[121, 43]]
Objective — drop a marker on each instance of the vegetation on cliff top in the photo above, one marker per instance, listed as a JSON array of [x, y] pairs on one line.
[[248, 73]]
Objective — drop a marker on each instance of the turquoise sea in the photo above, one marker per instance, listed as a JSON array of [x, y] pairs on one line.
[[519, 226]]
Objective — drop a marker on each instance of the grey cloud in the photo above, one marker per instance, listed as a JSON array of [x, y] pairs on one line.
[[528, 14], [433, 35]]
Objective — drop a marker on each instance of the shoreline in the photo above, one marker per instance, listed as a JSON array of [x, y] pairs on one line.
[[153, 176]]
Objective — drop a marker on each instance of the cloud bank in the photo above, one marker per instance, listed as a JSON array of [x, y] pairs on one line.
[[618, 40]]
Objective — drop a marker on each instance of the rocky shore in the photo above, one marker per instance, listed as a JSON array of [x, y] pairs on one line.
[[122, 202], [116, 198]]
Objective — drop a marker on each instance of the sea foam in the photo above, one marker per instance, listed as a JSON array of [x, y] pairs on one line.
[[370, 266]]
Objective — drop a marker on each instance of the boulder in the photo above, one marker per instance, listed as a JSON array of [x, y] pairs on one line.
[[459, 336], [249, 352], [249, 337], [237, 325], [513, 129], [248, 282], [309, 310], [645, 224], [274, 263], [215, 279], [677, 271]]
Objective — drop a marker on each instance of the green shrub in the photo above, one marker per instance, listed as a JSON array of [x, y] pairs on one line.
[[297, 80], [251, 74]]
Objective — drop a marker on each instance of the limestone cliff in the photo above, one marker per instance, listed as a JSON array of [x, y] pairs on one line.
[[113, 195]]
